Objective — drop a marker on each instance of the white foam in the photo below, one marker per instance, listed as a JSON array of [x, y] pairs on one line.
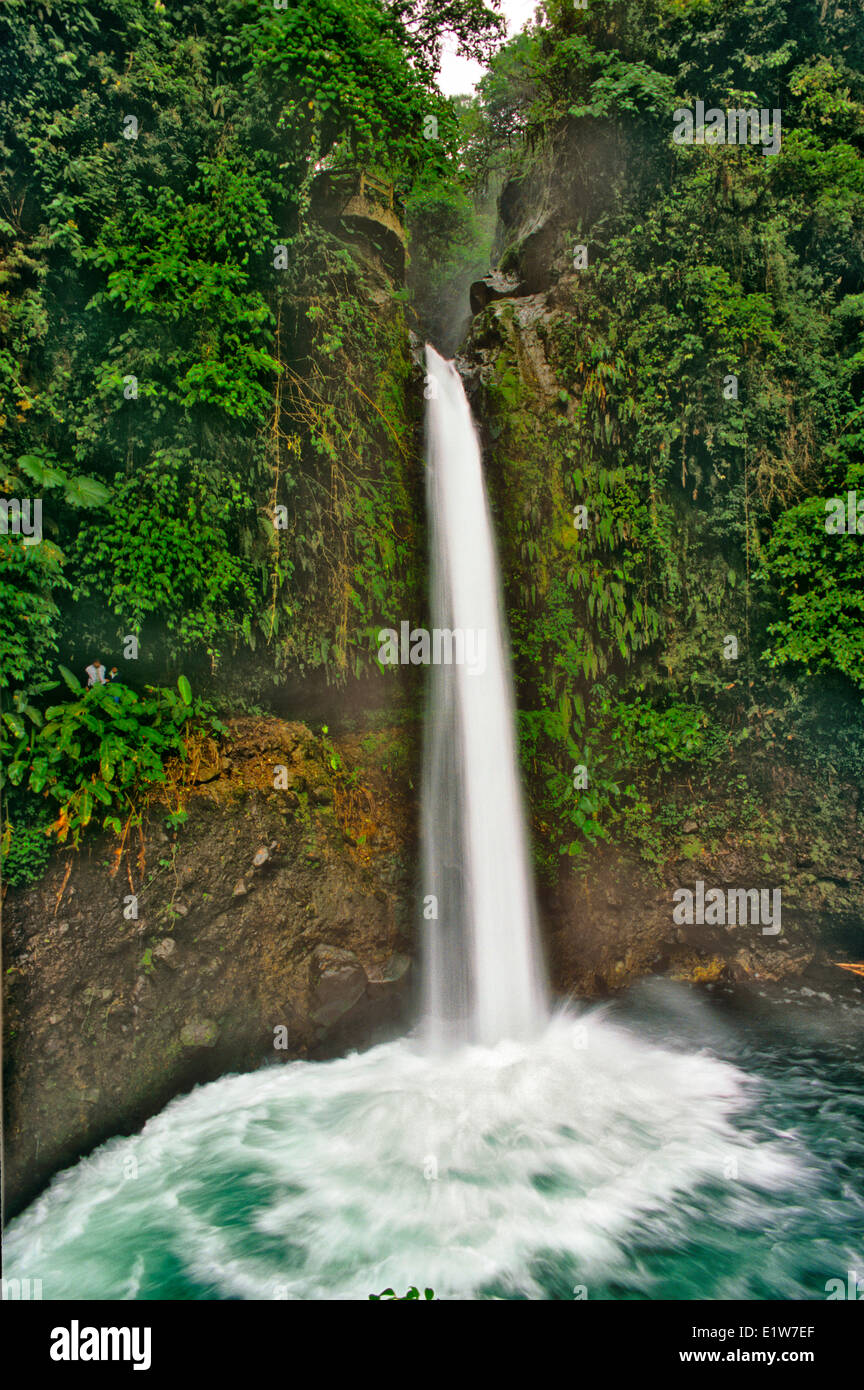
[[545, 1149]]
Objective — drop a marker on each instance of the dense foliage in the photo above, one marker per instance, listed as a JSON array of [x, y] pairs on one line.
[[709, 355], [183, 334], [206, 377]]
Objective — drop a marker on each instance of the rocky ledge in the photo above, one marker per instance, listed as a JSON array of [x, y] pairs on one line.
[[274, 924]]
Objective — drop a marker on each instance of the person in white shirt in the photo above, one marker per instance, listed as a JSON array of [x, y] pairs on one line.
[[96, 674]]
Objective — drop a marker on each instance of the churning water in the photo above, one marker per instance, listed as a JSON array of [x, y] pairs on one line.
[[661, 1148], [601, 1155]]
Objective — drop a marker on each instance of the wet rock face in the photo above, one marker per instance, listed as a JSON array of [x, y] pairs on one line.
[[264, 932], [620, 922], [199, 1032], [338, 981], [494, 286]]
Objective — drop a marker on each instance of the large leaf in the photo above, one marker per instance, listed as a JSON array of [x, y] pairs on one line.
[[86, 492], [72, 682], [185, 689], [41, 472], [33, 714]]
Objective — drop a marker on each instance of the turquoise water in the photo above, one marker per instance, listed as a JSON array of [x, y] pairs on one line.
[[670, 1147]]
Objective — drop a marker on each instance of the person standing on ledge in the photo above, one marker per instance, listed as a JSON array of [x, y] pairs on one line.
[[96, 674]]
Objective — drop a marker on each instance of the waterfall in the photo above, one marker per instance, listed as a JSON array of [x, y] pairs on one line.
[[483, 974], [553, 1157]]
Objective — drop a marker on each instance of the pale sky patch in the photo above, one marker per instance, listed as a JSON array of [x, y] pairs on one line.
[[459, 76]]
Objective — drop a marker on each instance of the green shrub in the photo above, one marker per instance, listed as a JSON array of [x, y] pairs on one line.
[[24, 852], [90, 754]]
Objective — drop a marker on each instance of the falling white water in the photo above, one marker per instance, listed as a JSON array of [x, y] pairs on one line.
[[483, 976]]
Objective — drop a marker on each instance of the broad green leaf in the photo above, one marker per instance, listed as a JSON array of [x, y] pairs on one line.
[[40, 472], [15, 724], [86, 492], [72, 682]]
